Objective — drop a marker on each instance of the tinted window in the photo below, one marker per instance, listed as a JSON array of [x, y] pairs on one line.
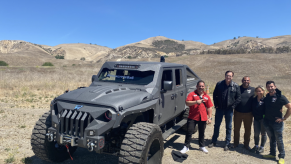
[[167, 76], [126, 76], [178, 76]]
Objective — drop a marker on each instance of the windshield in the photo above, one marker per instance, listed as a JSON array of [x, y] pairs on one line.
[[126, 76]]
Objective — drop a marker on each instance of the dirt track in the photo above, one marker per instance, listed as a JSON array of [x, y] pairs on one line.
[[15, 139]]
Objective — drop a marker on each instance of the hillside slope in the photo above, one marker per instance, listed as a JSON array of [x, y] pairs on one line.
[[19, 52], [153, 47], [76, 51]]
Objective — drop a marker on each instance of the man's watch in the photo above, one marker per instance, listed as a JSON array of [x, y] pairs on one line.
[[210, 118]]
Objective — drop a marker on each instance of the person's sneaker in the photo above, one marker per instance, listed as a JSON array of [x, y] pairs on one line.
[[184, 150], [254, 149], [260, 150], [226, 148], [203, 149], [281, 161], [211, 145], [269, 156]]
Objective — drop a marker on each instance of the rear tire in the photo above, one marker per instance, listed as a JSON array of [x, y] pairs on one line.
[[143, 144], [42, 148]]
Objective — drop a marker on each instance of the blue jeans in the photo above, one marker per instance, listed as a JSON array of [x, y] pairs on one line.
[[275, 133], [259, 129], [227, 113]]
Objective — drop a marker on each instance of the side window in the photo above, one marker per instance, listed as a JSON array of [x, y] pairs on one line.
[[167, 76], [190, 75], [178, 76]]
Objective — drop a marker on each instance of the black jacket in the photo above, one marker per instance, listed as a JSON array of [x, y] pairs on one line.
[[258, 108], [233, 95]]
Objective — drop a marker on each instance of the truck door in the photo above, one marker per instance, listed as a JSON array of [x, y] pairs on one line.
[[180, 90], [167, 100]]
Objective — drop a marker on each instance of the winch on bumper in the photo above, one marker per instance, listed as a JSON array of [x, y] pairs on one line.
[[91, 143], [81, 128]]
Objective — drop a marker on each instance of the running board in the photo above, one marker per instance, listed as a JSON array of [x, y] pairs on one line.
[[172, 130]]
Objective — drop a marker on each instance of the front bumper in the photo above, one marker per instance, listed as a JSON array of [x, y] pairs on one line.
[[92, 143]]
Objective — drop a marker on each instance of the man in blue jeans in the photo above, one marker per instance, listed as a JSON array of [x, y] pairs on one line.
[[226, 97], [273, 121]]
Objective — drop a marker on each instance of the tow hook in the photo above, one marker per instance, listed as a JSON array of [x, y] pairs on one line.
[[50, 137], [90, 146]]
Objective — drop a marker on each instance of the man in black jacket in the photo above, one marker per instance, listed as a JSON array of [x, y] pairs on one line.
[[226, 96]]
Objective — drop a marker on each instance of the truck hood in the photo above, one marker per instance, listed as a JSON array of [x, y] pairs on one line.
[[108, 96]]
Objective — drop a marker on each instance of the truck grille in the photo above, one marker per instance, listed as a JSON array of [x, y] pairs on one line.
[[74, 122]]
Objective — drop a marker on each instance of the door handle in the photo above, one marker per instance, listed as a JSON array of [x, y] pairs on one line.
[[172, 96], [182, 93]]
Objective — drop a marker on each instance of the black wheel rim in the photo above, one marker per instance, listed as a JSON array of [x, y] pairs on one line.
[[154, 153]]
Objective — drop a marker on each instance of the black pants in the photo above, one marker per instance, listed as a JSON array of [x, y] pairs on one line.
[[190, 130]]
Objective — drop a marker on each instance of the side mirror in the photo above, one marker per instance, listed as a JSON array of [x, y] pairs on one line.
[[94, 77], [168, 85]]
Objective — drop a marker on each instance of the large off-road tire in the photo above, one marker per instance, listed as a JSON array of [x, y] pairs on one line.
[[185, 116], [42, 148], [143, 144]]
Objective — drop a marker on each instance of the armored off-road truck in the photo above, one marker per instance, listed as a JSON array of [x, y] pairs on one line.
[[129, 109]]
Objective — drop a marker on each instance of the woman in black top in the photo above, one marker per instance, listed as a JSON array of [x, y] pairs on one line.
[[258, 112]]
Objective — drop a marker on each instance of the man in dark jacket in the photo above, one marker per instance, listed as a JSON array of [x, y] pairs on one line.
[[226, 96]]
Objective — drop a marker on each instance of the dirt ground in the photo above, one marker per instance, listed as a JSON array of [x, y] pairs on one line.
[[26, 92], [16, 125]]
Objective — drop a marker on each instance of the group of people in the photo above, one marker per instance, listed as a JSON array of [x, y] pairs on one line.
[[242, 104]]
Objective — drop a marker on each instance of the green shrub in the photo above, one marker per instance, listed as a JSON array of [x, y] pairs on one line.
[[3, 63], [129, 57], [10, 159], [22, 126], [82, 58], [60, 57], [47, 64]]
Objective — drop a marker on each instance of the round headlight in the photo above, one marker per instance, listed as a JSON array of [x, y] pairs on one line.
[[108, 115]]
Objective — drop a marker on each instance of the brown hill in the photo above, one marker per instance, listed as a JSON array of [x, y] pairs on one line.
[[153, 47], [22, 53], [161, 46], [250, 43], [76, 51]]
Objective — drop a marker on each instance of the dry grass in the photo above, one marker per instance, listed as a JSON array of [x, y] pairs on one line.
[[26, 92], [35, 87]]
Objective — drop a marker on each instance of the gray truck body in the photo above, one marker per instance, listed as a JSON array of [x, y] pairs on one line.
[[81, 117]]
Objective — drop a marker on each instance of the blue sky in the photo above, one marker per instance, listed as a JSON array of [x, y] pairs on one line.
[[114, 23]]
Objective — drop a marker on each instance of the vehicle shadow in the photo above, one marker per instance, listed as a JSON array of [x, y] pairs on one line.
[[170, 143], [81, 156], [240, 149]]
